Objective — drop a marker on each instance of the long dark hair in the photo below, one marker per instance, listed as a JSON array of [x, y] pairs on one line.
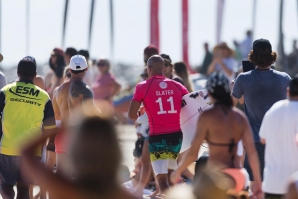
[[181, 70], [222, 96], [59, 62]]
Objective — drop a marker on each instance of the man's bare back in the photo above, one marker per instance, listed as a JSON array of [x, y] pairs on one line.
[[69, 95]]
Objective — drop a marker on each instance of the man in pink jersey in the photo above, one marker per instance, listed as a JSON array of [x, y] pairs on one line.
[[162, 99]]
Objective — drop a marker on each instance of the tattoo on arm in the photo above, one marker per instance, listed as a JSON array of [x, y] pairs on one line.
[[78, 88]]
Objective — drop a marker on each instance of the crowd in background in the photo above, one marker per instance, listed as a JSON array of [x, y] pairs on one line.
[[269, 98]]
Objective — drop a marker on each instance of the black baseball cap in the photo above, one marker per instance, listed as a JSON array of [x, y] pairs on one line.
[[166, 57], [85, 53], [262, 45], [27, 66]]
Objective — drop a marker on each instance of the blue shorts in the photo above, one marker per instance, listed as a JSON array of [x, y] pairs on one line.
[[11, 170]]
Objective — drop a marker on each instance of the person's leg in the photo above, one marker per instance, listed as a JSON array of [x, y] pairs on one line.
[[50, 163], [145, 170], [186, 173], [59, 162], [51, 160], [159, 156], [174, 142], [31, 196], [157, 189], [261, 156], [9, 172], [62, 167], [22, 190], [169, 176], [7, 192], [163, 182]]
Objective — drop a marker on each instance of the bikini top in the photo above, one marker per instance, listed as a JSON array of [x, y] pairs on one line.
[[232, 146]]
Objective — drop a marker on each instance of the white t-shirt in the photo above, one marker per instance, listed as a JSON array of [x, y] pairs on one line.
[[280, 128]]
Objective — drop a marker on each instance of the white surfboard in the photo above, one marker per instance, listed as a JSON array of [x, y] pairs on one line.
[[193, 105]]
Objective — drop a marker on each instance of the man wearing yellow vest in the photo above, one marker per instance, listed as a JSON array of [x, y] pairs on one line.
[[26, 109]]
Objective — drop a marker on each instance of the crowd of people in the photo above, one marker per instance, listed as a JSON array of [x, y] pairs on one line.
[[237, 141], [58, 131]]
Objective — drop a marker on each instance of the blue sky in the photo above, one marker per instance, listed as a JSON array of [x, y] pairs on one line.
[[132, 27]]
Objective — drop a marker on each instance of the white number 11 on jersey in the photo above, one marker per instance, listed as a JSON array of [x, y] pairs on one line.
[[161, 111]]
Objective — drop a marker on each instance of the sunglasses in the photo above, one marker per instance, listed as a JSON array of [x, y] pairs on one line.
[[167, 64]]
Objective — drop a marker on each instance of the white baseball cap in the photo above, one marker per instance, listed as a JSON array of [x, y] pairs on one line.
[[78, 62]]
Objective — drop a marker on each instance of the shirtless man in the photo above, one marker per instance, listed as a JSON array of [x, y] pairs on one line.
[[69, 95], [162, 99]]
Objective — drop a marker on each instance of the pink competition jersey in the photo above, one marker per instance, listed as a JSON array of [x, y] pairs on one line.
[[162, 99]]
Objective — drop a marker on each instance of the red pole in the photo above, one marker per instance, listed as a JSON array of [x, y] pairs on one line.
[[154, 23], [185, 34]]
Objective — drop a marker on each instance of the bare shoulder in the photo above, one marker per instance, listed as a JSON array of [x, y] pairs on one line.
[[239, 115], [38, 81], [62, 87], [39, 78], [206, 116], [79, 88]]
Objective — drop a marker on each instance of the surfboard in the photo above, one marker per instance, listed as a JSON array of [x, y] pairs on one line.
[[193, 106]]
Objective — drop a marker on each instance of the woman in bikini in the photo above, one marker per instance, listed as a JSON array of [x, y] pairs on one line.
[[223, 126]]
